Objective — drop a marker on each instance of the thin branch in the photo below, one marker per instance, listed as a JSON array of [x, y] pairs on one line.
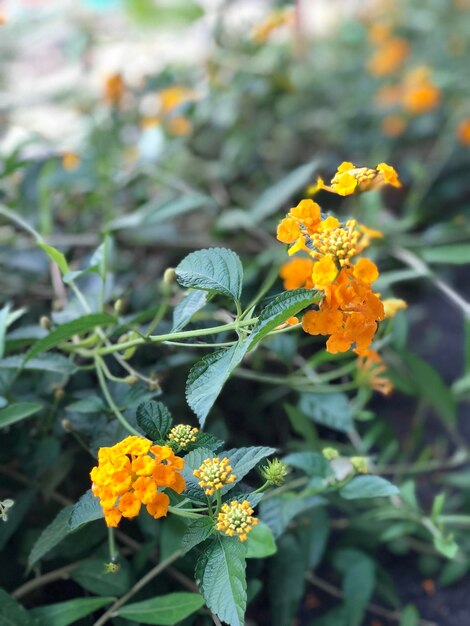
[[371, 607], [155, 571], [40, 581]]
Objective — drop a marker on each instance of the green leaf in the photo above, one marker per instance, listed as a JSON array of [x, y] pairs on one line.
[[286, 580], [3, 327], [53, 362], [279, 511], [92, 576], [430, 386], [409, 616], [87, 509], [17, 412], [51, 536], [455, 254], [198, 531], [243, 460], [168, 15], [446, 546], [260, 543], [312, 463], [217, 270], [368, 487], [208, 376], [279, 310], [220, 574], [155, 419], [358, 587], [56, 256], [189, 305], [277, 195], [69, 612], [165, 610], [90, 404], [12, 613], [328, 409], [207, 440], [68, 330]]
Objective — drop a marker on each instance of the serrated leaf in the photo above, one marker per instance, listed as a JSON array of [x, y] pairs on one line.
[[243, 460], [279, 310], [220, 574], [368, 487], [207, 440], [87, 509], [68, 330], [57, 256], [69, 612], [51, 536], [198, 531], [217, 270], [208, 376], [14, 614], [189, 305], [154, 418], [166, 610], [53, 362], [286, 580], [17, 412], [312, 463], [328, 409], [278, 194], [260, 543], [279, 511]]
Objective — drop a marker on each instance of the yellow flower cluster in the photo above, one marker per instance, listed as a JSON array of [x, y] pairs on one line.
[[130, 474], [183, 435], [213, 474], [237, 519], [349, 310], [350, 179]]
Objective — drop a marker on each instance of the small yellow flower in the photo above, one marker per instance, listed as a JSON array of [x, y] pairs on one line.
[[113, 88], [183, 435], [330, 454], [350, 179], [392, 306], [371, 373], [236, 519], [214, 474], [70, 161]]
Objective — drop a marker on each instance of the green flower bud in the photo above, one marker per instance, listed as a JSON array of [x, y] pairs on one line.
[[169, 276], [360, 464], [330, 453], [275, 472]]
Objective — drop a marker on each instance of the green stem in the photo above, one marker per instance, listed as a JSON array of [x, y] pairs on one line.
[[110, 401], [113, 551], [218, 496], [184, 512]]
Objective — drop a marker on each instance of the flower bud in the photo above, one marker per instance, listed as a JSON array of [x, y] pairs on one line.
[[45, 322], [169, 276], [67, 425], [275, 472], [330, 453], [119, 306], [131, 379], [360, 464]]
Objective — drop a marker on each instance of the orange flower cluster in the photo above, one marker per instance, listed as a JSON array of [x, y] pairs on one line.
[[389, 57], [463, 132], [349, 309], [130, 474]]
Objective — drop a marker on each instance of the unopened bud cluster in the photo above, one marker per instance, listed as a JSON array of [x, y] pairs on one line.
[[183, 435]]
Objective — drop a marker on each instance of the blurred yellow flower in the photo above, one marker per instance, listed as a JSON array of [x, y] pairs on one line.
[[393, 305], [70, 161], [420, 94], [371, 373], [274, 21], [350, 179], [463, 132], [389, 57], [113, 88]]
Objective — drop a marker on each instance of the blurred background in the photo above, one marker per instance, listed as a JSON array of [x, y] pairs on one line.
[[182, 124]]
